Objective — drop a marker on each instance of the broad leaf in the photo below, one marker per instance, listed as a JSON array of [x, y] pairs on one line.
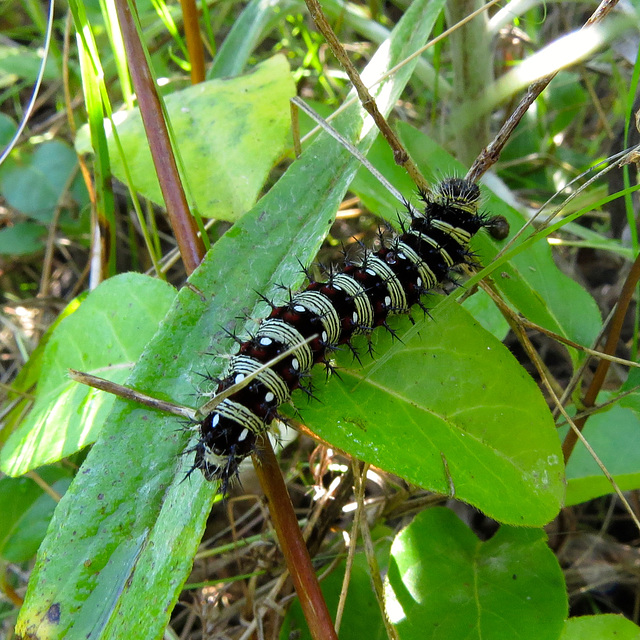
[[22, 238], [104, 337], [36, 184], [26, 511], [230, 133], [452, 411], [444, 583]]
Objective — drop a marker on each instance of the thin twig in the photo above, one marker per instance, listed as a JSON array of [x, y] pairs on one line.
[[570, 343], [400, 154], [128, 393]]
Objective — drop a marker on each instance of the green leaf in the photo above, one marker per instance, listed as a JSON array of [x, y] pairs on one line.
[[7, 129], [26, 511], [602, 627], [438, 414], [444, 583], [230, 133], [22, 238], [104, 337], [613, 434], [36, 187], [29, 375], [129, 525]]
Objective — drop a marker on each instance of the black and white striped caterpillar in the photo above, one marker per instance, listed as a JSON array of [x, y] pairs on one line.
[[353, 301]]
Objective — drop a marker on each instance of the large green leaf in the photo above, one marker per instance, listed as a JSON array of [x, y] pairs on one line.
[[444, 583], [105, 337], [22, 238], [122, 540], [23, 63], [230, 133], [452, 411], [20, 397]]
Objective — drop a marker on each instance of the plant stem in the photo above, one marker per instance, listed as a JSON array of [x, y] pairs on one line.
[[293, 545], [182, 222], [194, 42]]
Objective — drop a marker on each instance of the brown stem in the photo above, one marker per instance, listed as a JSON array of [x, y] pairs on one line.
[[194, 42], [490, 154], [182, 222], [400, 154], [615, 327], [128, 393], [293, 545]]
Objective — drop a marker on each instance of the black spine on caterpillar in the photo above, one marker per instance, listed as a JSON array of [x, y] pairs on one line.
[[353, 301]]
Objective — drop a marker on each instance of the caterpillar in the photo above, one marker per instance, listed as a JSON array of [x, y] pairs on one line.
[[325, 315]]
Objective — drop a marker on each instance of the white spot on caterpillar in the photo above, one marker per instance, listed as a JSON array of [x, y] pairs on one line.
[[355, 316], [419, 281], [243, 435], [387, 301], [324, 336], [295, 364], [216, 419], [265, 342], [269, 397], [299, 309], [239, 378]]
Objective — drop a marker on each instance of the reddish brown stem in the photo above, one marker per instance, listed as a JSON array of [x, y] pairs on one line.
[[194, 42], [615, 327], [293, 545], [182, 222]]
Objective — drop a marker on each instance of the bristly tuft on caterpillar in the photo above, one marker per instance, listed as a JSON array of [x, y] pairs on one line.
[[353, 301]]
